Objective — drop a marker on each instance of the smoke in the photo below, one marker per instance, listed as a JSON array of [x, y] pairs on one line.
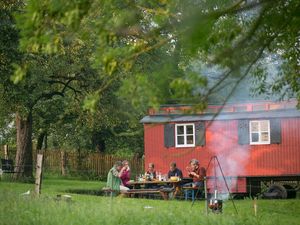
[[231, 159]]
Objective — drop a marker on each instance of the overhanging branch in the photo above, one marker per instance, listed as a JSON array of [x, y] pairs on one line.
[[51, 94], [66, 85], [252, 63]]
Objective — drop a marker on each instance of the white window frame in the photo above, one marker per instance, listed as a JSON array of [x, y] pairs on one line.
[[184, 135], [259, 142]]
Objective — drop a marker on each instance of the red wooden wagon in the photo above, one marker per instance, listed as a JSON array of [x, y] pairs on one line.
[[257, 143]]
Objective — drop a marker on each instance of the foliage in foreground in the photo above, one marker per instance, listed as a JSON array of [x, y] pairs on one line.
[[83, 209]]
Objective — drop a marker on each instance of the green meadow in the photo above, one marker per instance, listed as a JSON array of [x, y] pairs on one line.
[[20, 208]]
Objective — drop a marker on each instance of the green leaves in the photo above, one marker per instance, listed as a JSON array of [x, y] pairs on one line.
[[188, 89], [122, 34], [91, 101], [19, 74], [45, 24]]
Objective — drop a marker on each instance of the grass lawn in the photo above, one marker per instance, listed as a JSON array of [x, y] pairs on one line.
[[89, 209]]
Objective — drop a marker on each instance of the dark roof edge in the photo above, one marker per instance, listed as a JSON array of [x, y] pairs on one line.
[[222, 116]]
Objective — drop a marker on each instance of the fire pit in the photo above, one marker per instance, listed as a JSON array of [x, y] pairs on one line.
[[215, 205]]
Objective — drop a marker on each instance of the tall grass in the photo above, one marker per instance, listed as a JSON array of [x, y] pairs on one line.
[[86, 209]]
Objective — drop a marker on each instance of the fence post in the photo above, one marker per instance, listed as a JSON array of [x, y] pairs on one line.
[[5, 151], [205, 193], [63, 163], [38, 174]]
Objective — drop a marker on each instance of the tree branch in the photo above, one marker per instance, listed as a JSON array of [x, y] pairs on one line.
[[66, 85], [244, 39], [51, 94], [237, 8], [46, 96], [125, 134], [242, 77]]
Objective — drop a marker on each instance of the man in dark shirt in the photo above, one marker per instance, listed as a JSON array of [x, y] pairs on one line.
[[174, 171]]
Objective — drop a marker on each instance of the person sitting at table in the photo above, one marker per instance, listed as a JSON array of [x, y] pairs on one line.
[[125, 176], [151, 175], [174, 171], [114, 181], [197, 173], [151, 171]]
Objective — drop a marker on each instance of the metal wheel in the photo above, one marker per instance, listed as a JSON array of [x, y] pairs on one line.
[[291, 192], [276, 191]]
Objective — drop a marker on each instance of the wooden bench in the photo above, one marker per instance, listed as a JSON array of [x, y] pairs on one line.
[[7, 166], [108, 191], [164, 192]]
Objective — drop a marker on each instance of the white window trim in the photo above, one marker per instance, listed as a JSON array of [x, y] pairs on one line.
[[259, 142], [185, 135]]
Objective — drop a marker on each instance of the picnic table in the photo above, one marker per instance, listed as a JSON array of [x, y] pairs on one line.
[[140, 187]]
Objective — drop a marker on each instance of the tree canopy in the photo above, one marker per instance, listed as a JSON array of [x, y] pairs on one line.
[[138, 40], [84, 71], [45, 92]]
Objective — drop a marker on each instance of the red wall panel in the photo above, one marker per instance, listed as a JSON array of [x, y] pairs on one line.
[[235, 159]]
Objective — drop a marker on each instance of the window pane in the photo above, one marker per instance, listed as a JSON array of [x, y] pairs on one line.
[[189, 129], [254, 126], [180, 140], [254, 137], [190, 139], [180, 129], [264, 125], [265, 136]]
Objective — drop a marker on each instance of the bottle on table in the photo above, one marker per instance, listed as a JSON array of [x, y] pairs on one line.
[[159, 176]]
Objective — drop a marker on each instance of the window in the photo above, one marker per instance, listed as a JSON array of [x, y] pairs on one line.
[[185, 135], [259, 132]]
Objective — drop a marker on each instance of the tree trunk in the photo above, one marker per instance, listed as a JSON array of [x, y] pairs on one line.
[[24, 165], [79, 160], [46, 141]]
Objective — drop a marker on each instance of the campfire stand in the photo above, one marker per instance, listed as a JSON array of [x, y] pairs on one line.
[[217, 204]]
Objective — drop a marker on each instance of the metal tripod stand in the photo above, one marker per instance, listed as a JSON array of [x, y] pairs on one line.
[[216, 163]]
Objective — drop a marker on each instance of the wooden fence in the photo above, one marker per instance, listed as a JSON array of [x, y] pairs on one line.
[[91, 165]]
